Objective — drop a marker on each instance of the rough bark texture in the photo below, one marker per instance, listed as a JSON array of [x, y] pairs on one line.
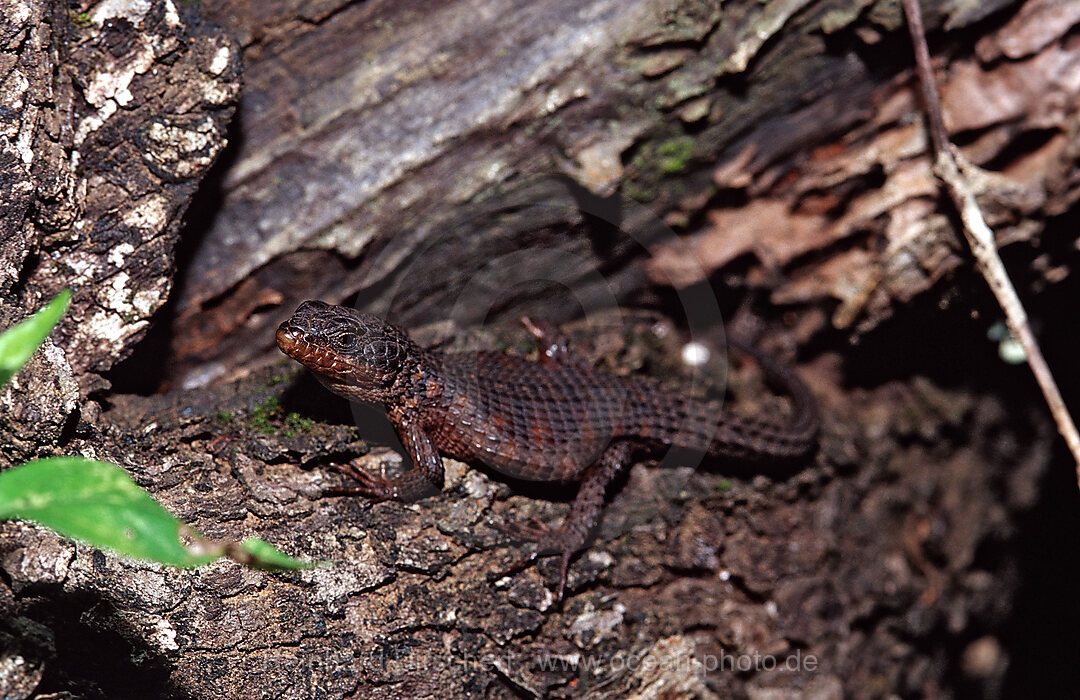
[[403, 151]]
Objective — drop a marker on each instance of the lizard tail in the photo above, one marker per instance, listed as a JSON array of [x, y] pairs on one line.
[[683, 421]]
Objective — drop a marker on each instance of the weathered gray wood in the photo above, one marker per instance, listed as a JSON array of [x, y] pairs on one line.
[[405, 141]]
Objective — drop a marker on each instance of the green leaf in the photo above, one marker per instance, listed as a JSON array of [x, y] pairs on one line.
[[99, 504], [20, 341], [264, 555]]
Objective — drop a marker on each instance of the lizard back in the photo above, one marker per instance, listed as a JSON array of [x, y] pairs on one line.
[[550, 421], [542, 422]]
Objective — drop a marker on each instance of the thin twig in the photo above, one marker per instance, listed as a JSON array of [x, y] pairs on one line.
[[980, 238]]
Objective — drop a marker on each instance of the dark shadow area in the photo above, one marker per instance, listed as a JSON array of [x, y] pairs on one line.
[[950, 346], [945, 342], [304, 395], [1043, 633], [94, 661], [307, 397]]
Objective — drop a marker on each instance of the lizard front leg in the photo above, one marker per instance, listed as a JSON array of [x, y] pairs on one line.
[[583, 516], [424, 478]]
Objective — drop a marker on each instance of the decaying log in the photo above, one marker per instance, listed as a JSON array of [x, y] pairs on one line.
[[452, 164], [434, 127]]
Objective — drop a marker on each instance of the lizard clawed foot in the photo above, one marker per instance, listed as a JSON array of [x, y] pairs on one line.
[[374, 488], [548, 540]]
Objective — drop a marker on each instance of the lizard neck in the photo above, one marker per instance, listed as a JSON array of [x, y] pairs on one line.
[[419, 381]]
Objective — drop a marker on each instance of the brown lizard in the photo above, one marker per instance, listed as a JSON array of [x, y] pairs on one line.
[[552, 420]]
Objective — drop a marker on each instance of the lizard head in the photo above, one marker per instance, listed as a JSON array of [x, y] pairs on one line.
[[356, 355]]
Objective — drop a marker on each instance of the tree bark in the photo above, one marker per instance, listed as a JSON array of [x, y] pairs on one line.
[[456, 164]]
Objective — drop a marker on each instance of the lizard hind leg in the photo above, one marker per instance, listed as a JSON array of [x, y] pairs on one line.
[[584, 514], [554, 347]]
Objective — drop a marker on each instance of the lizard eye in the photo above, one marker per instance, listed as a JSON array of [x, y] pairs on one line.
[[347, 340]]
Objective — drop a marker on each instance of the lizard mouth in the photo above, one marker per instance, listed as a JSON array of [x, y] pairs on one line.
[[318, 358]]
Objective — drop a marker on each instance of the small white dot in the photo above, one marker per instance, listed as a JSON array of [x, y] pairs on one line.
[[1012, 351], [695, 354]]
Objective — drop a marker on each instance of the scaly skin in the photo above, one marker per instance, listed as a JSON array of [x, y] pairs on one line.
[[553, 420]]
